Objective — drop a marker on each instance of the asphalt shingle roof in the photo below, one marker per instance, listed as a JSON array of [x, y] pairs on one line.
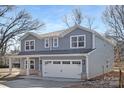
[[70, 51]]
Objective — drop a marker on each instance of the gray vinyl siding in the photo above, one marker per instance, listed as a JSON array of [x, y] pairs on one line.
[[63, 42]]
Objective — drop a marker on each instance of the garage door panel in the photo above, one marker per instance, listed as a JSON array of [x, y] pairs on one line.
[[72, 70], [51, 69]]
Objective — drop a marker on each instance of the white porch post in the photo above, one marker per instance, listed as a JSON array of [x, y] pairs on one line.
[[28, 66], [10, 65]]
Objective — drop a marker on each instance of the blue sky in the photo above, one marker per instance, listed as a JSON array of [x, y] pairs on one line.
[[52, 15]]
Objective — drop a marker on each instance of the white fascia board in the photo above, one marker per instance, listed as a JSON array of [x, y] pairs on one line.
[[91, 52], [20, 56], [29, 33]]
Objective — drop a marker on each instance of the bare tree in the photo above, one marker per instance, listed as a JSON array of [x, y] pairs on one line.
[[12, 26], [90, 22], [75, 18], [113, 17], [65, 20]]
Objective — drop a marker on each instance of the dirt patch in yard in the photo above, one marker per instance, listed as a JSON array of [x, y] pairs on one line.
[[108, 80], [4, 74]]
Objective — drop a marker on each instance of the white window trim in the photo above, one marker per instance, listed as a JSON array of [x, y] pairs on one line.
[[45, 43], [54, 41], [29, 45], [77, 41]]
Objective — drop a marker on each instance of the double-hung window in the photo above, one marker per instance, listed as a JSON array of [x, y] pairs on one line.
[[77, 41], [55, 42], [46, 42], [30, 45]]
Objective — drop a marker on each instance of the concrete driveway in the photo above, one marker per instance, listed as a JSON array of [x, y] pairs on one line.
[[37, 83]]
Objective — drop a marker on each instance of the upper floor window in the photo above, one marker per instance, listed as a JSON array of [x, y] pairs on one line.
[[29, 45], [55, 42], [77, 41], [47, 43]]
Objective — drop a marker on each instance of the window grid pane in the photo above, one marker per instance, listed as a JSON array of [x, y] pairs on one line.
[[81, 41], [46, 43], [74, 44], [74, 39], [81, 38], [80, 44], [55, 42], [27, 47], [27, 43], [32, 43], [31, 47], [76, 62], [56, 62], [65, 62]]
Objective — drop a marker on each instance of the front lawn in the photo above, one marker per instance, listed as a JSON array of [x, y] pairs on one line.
[[4, 74]]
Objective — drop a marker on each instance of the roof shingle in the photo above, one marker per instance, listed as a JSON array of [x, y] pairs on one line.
[[70, 51]]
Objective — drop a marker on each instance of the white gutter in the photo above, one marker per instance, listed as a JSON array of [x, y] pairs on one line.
[[18, 56]]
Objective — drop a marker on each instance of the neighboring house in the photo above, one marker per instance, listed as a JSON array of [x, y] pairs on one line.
[[76, 52]]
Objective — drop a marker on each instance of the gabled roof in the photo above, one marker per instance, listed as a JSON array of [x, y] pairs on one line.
[[62, 33], [29, 33], [74, 28], [52, 34]]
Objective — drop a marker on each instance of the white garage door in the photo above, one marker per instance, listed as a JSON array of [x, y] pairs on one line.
[[62, 68]]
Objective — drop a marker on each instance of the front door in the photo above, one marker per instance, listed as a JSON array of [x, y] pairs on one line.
[[32, 64]]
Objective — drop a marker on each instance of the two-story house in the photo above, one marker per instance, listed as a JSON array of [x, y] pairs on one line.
[[76, 52]]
